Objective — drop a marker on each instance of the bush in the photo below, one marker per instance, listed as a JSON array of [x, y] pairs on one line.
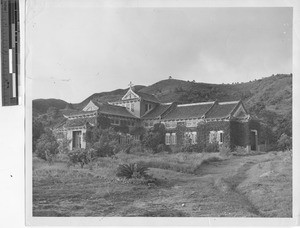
[[136, 147], [240, 150], [191, 148], [81, 156], [47, 146], [104, 142], [163, 148], [285, 142], [154, 137], [132, 171], [212, 147], [225, 150]]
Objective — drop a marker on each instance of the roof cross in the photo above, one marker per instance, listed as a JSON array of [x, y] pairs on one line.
[[130, 85]]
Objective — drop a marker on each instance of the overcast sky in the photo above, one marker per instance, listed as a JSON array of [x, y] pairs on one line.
[[74, 52]]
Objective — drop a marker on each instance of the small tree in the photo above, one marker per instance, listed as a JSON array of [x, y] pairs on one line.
[[37, 131], [155, 137], [47, 146], [64, 146]]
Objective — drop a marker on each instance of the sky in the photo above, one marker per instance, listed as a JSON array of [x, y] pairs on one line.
[[75, 51]]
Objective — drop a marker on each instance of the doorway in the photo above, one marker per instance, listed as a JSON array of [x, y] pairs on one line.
[[76, 139], [253, 140]]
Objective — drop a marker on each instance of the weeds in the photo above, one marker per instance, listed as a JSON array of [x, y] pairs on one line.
[[132, 171]]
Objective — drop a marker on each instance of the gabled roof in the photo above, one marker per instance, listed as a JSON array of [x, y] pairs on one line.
[[131, 94], [114, 110], [157, 111], [187, 111], [80, 122], [222, 110]]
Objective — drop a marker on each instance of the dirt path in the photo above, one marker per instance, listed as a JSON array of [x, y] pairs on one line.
[[226, 176], [217, 189]]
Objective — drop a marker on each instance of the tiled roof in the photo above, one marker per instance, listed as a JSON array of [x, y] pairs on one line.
[[194, 110], [222, 109], [60, 124], [73, 112], [114, 110], [157, 111], [80, 122], [148, 97]]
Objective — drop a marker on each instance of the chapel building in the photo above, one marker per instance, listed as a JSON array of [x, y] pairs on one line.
[[203, 123]]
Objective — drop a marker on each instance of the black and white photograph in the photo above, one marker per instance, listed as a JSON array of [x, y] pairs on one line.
[[158, 110]]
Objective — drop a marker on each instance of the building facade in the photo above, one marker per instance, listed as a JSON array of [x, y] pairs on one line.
[[199, 124]]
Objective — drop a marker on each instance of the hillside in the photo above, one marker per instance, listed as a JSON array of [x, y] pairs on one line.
[[269, 99], [40, 106], [274, 92]]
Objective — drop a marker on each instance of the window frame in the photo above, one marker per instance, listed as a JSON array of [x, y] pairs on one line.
[[168, 139], [173, 139]]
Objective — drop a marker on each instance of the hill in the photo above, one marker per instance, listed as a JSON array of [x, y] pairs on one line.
[[40, 106], [274, 92], [269, 98]]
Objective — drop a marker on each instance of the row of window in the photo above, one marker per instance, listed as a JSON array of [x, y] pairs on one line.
[[191, 137], [216, 136]]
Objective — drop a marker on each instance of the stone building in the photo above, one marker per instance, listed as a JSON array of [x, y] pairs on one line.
[[200, 123]]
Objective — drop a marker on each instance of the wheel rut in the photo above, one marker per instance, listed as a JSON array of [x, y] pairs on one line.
[[227, 182]]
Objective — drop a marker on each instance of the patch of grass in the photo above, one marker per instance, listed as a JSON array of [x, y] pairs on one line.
[[269, 185], [179, 162], [234, 187]]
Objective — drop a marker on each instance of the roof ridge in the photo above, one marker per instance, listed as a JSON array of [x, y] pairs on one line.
[[228, 102], [194, 104]]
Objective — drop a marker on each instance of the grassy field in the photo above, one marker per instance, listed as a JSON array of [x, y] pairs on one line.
[[187, 184]]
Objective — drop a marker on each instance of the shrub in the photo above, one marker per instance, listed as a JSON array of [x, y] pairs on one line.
[[64, 146], [154, 137], [132, 171], [47, 146], [37, 131], [225, 150], [285, 142], [191, 148], [104, 142], [212, 147], [240, 150], [163, 148], [136, 147], [81, 156]]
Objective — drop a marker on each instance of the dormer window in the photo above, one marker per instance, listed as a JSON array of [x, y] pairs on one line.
[[148, 107]]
